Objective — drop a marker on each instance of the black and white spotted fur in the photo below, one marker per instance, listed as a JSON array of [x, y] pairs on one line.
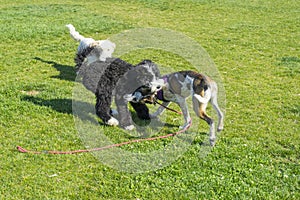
[[179, 85]]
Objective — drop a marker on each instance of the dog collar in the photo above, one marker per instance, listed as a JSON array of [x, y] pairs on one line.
[[160, 93], [165, 78]]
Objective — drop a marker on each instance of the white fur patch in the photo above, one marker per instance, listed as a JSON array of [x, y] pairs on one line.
[[113, 122], [107, 46], [130, 97], [129, 128], [206, 98], [157, 85], [74, 34], [85, 43]]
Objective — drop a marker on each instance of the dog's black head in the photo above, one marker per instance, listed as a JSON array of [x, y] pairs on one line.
[[147, 82], [143, 82]]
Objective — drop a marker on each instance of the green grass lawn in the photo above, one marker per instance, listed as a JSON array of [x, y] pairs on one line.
[[254, 44]]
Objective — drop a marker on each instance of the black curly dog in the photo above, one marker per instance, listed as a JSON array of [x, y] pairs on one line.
[[116, 77]]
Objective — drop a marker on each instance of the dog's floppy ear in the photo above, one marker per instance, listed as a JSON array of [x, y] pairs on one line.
[[151, 68]]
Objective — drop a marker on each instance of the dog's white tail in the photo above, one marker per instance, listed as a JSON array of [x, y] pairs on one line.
[[74, 34], [206, 98]]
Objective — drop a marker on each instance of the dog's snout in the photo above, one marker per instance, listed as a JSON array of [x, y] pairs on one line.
[[158, 87]]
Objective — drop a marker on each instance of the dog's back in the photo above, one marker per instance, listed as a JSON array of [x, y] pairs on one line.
[[99, 74], [184, 82], [116, 68], [200, 81], [91, 74]]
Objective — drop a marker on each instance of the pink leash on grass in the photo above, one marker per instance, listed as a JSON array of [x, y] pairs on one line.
[[23, 150]]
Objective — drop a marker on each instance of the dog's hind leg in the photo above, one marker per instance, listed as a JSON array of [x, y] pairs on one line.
[[200, 110], [214, 102]]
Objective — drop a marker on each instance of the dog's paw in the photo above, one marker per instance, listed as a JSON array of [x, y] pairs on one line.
[[220, 129], [212, 141], [184, 126], [129, 128], [112, 122]]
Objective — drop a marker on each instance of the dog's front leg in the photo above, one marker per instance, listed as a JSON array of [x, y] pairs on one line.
[[184, 108], [103, 110], [124, 114], [141, 110]]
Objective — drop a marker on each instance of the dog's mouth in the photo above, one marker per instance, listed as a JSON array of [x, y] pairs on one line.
[[145, 94], [150, 99], [139, 96]]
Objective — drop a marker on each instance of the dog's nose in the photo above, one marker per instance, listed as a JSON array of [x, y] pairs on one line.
[[158, 87]]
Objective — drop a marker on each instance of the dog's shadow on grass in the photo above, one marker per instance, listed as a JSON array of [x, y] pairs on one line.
[[65, 106], [85, 112], [66, 72]]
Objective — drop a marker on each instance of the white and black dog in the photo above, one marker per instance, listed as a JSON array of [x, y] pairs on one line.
[[179, 85], [115, 77], [86, 45]]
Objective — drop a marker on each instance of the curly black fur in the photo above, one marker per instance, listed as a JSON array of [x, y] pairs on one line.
[[116, 75], [143, 73], [106, 85]]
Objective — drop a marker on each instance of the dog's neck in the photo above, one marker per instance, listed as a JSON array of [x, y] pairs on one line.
[[160, 93], [165, 78]]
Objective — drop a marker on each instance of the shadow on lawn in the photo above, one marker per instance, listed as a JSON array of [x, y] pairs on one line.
[[83, 110], [66, 72], [64, 106]]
